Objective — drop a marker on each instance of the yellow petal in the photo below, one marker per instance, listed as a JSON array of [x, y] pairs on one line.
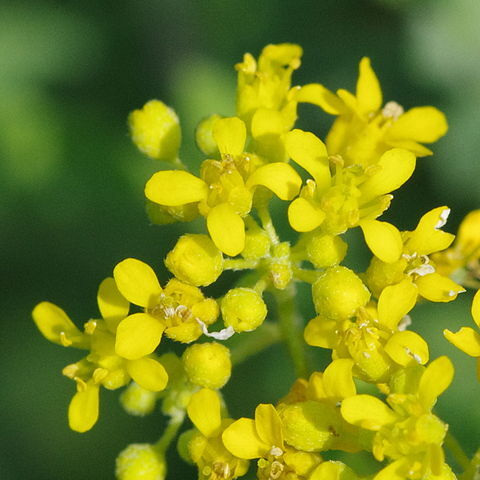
[[321, 332], [396, 167], [367, 412], [138, 335], [407, 348], [278, 177], [311, 154], [241, 439], [468, 237], [204, 411], [476, 308], [398, 470], [137, 282], [304, 216], [267, 122], [437, 288], [230, 135], [332, 470], [83, 408], [466, 339], [369, 93], [319, 95], [148, 373], [383, 239], [269, 425], [422, 124], [111, 303], [338, 379], [56, 326], [395, 302], [175, 187], [227, 229], [436, 378], [427, 238]]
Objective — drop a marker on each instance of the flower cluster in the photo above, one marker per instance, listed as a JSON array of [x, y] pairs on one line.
[[378, 393]]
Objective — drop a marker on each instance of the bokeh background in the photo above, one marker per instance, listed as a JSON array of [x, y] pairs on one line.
[[71, 201]]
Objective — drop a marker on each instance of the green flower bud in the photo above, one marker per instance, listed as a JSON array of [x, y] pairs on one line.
[[243, 309], [155, 130], [195, 260], [207, 364], [309, 426], [138, 401], [325, 250], [280, 266], [339, 293], [257, 244], [140, 461], [204, 135]]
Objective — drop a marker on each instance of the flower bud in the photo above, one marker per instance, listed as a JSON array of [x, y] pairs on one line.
[[243, 309], [257, 244], [339, 293], [137, 401], [207, 364], [308, 426], [325, 250], [155, 130], [204, 135], [140, 461], [195, 260]]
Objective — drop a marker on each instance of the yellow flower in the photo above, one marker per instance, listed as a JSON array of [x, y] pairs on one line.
[[352, 195], [102, 366], [406, 256], [263, 438], [461, 262], [363, 129], [174, 310], [225, 192], [155, 130], [204, 444], [376, 340], [467, 339], [406, 431]]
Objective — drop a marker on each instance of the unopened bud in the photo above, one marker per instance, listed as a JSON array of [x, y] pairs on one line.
[[140, 461], [243, 309]]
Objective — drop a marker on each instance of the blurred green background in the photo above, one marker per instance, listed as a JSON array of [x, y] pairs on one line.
[[71, 195]]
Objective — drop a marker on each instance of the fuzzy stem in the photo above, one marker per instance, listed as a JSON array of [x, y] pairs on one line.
[[169, 433], [457, 451], [290, 325]]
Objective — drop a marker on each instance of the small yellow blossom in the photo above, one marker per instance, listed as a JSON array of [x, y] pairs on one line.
[[467, 339], [175, 310], [204, 445], [102, 366], [375, 340], [363, 129], [348, 197], [226, 190], [141, 461], [461, 261], [263, 438], [155, 130], [407, 432], [411, 258]]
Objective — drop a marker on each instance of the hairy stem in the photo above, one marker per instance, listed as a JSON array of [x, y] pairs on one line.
[[291, 327], [169, 433], [457, 451]]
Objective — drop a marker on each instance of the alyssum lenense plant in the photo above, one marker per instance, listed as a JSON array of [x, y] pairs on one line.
[[370, 151]]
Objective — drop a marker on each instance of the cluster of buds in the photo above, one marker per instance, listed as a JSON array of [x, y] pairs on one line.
[[378, 393]]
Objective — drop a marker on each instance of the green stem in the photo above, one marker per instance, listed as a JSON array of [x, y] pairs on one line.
[[473, 470], [308, 276], [457, 451], [253, 343], [267, 224], [169, 433], [290, 325], [240, 264]]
